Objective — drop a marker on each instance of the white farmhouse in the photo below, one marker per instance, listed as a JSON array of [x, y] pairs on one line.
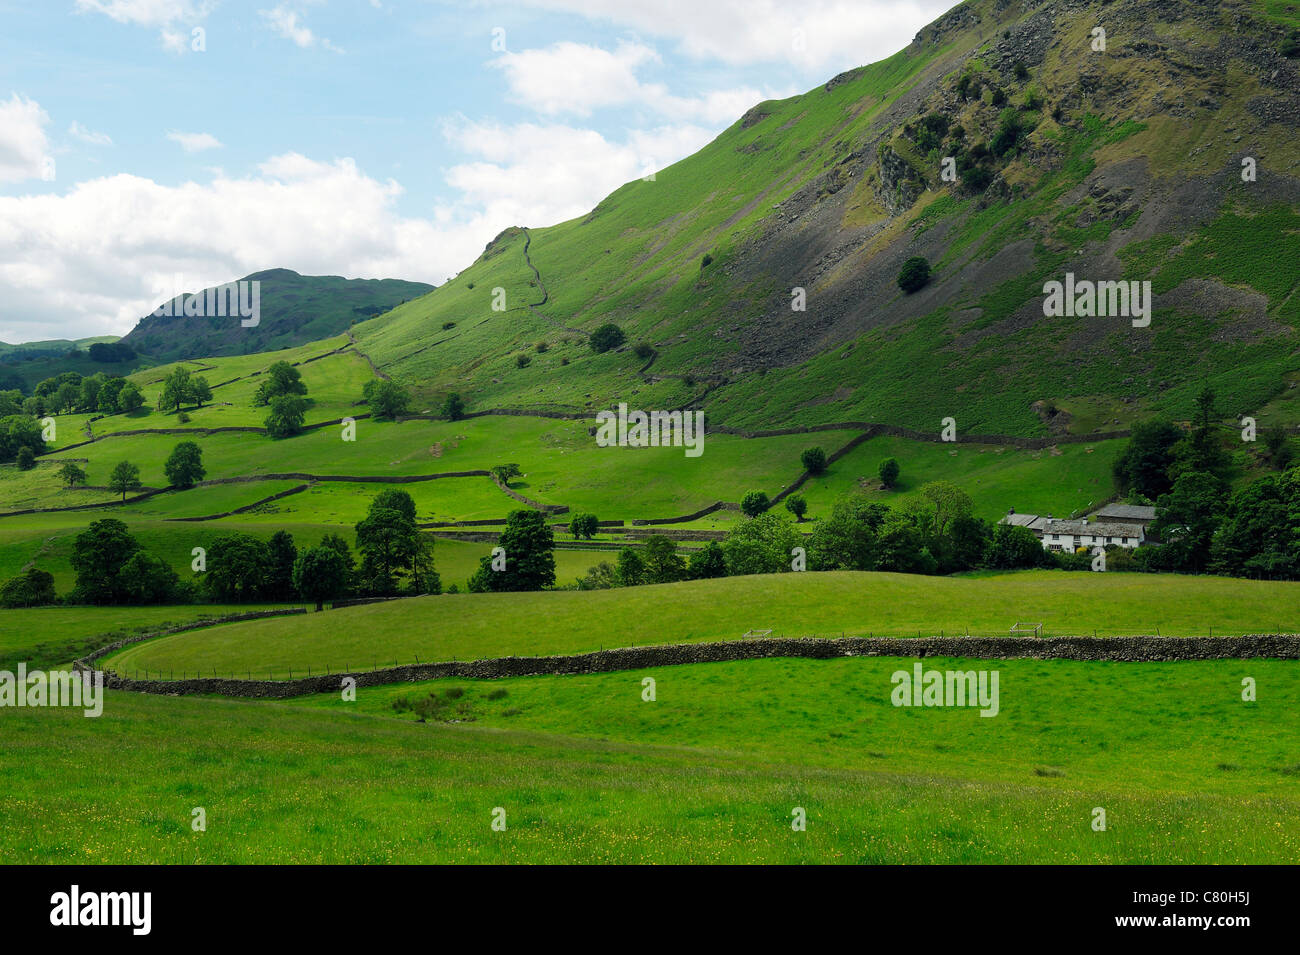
[[1069, 536]]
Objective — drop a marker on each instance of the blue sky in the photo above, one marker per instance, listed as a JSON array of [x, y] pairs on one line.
[[145, 142]]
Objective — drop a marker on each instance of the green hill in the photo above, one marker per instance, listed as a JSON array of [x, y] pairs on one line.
[[1122, 164], [295, 309]]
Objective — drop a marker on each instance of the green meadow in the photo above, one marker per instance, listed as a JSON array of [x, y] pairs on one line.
[[474, 626], [711, 771]]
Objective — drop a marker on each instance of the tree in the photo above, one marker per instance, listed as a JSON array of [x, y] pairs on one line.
[[282, 379], [18, 432], [754, 503], [280, 557], [71, 474], [846, 540], [387, 399], [177, 390], [453, 407], [31, 588], [630, 570], [1013, 548], [237, 567], [707, 563], [813, 460], [286, 417], [184, 467], [67, 397], [1201, 450], [663, 565], [125, 477], [25, 459], [1259, 535], [950, 502], [901, 547], [110, 401], [529, 545], [98, 555], [584, 525], [1186, 519], [146, 579], [1281, 453], [504, 472], [914, 274], [200, 390], [889, 472], [388, 539], [762, 545], [797, 506], [130, 397], [1143, 466], [320, 574], [88, 400], [606, 337]]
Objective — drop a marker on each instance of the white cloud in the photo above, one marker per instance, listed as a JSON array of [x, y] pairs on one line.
[[821, 36], [195, 142], [79, 263], [88, 135], [285, 22], [24, 148], [162, 14], [577, 78]]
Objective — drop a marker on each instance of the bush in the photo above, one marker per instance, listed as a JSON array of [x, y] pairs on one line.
[[706, 261], [453, 407], [889, 472], [542, 347], [754, 503], [606, 337], [523, 360], [643, 350], [914, 274], [449, 325], [25, 459], [797, 506], [1291, 45], [813, 460]]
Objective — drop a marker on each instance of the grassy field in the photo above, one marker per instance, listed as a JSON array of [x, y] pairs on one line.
[[54, 636], [472, 626], [709, 772]]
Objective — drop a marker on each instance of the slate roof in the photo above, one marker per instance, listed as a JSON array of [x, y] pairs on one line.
[[1093, 529], [1127, 512]]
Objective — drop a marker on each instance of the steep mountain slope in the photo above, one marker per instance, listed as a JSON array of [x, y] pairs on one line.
[[295, 309], [1117, 163]]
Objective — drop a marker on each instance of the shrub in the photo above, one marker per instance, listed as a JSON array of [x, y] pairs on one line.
[[523, 360], [1021, 72], [797, 506], [706, 261], [889, 472], [25, 459], [606, 337], [1291, 45], [542, 347], [914, 274], [449, 325], [453, 407], [643, 350], [754, 503], [813, 460]]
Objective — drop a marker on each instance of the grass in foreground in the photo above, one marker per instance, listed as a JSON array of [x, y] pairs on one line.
[[710, 772]]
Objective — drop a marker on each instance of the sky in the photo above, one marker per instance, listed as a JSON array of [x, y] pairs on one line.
[[150, 145]]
